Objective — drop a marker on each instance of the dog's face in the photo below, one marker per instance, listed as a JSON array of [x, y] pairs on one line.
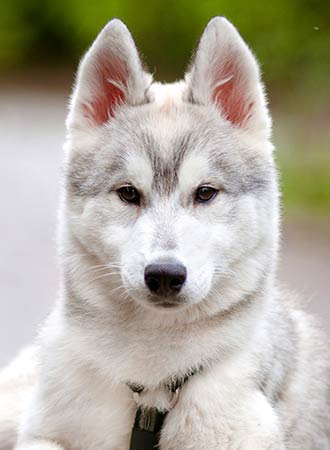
[[172, 187]]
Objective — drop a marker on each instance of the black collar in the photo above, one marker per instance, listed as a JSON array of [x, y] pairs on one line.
[[149, 421]]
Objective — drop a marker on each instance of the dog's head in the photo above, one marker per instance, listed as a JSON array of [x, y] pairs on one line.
[[171, 189]]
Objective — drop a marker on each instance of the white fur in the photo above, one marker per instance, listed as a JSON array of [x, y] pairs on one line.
[[263, 382]]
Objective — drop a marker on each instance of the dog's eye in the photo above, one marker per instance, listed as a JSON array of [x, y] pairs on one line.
[[129, 194], [205, 194]]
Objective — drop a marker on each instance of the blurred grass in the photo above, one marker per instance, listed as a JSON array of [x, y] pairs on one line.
[[305, 186], [302, 137]]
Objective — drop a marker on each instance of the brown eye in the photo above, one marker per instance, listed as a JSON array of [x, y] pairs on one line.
[[129, 194], [205, 194]]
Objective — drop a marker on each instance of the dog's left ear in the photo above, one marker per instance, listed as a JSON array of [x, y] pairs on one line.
[[109, 75], [225, 73]]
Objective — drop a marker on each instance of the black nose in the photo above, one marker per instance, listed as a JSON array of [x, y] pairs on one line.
[[165, 278]]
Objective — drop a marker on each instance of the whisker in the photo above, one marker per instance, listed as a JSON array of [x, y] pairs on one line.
[[116, 289], [97, 266], [108, 274]]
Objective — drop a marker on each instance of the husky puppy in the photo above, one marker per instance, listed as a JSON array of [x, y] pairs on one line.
[[169, 230]]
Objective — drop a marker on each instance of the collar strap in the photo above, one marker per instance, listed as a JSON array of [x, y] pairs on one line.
[[175, 383], [149, 421]]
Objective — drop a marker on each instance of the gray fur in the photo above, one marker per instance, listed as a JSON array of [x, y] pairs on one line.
[[265, 378], [242, 170]]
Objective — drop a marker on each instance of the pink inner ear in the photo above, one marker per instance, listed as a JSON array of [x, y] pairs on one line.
[[111, 83], [230, 95]]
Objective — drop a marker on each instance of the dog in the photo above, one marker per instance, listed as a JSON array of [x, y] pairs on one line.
[[168, 244]]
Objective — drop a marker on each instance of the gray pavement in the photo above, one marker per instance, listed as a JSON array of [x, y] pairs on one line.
[[32, 132]]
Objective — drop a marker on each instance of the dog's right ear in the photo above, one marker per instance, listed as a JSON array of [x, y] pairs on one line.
[[109, 75]]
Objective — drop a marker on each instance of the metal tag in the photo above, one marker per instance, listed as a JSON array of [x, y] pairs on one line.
[[146, 429]]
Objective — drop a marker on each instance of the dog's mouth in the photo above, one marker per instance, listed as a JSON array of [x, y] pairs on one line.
[[166, 302]]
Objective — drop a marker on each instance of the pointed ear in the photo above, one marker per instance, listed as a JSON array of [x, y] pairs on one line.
[[110, 74], [226, 74]]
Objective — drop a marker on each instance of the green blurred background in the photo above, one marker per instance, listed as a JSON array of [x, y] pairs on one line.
[[42, 40]]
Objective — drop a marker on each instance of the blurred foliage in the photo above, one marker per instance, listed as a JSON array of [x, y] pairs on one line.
[[302, 137], [306, 186], [290, 37]]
